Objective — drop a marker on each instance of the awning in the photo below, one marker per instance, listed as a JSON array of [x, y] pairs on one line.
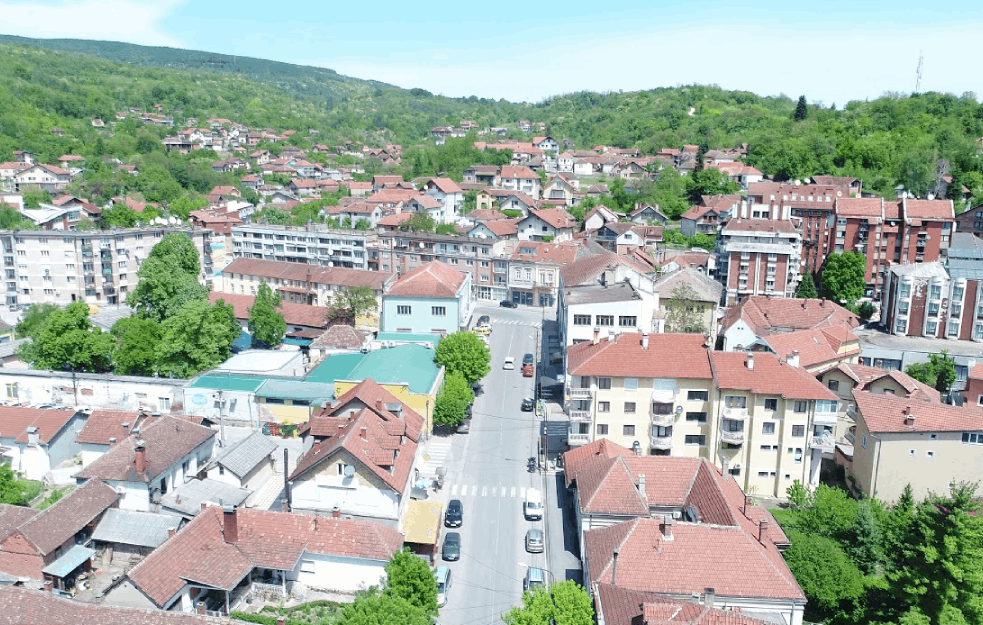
[[421, 524], [68, 561]]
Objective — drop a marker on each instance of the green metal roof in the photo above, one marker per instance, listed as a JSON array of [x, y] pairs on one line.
[[296, 389], [405, 337], [335, 367], [228, 382], [412, 364]]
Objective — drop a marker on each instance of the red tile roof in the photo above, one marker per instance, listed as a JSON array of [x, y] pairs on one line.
[[864, 376], [623, 606], [293, 313], [934, 210], [816, 346], [334, 276], [12, 517], [370, 394], [105, 424], [682, 356], [503, 227], [770, 376], [883, 413], [432, 280], [766, 315], [446, 185], [521, 172], [860, 207], [758, 225], [167, 440], [15, 420], [52, 528], [555, 217], [395, 220], [340, 336]]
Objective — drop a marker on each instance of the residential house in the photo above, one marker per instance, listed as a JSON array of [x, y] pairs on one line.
[[614, 605], [689, 301], [706, 217], [520, 178], [755, 318], [620, 237], [152, 461], [563, 186], [599, 216], [534, 271], [426, 204], [433, 298], [448, 193], [817, 349], [481, 215], [247, 463], [646, 214], [355, 212], [34, 441], [971, 221], [550, 224], [496, 229], [483, 174], [49, 545], [756, 256], [127, 536], [508, 200], [742, 174], [105, 428], [226, 555], [927, 445], [42, 177]]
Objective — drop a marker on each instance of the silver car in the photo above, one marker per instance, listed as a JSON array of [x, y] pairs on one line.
[[534, 541]]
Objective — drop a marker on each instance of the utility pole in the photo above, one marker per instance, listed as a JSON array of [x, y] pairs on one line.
[[918, 72]]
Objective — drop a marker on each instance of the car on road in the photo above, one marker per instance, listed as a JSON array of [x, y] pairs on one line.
[[443, 577], [507, 304], [455, 514], [484, 320], [482, 330], [509, 363], [528, 404], [534, 541], [528, 366], [535, 576], [451, 550], [532, 508], [477, 388], [528, 359]]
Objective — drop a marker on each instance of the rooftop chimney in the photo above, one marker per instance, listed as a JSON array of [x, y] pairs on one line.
[[709, 595], [33, 436], [747, 504], [48, 585], [364, 433], [641, 485], [336, 512], [750, 361], [645, 340], [351, 414], [614, 568], [379, 405], [597, 335], [666, 527], [762, 528], [230, 527], [170, 532], [204, 506], [793, 358], [141, 455]]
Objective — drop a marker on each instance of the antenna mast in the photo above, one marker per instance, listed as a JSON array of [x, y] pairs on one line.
[[918, 72]]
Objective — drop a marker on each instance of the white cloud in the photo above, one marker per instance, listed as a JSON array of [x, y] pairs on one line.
[[133, 21]]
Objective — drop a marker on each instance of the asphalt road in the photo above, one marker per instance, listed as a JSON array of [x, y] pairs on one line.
[[488, 473]]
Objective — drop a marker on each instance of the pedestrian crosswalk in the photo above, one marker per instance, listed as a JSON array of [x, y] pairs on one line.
[[515, 322], [474, 490], [436, 455]]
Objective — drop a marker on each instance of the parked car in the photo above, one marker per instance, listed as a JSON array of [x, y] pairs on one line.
[[443, 576], [534, 541], [528, 404], [532, 508], [452, 547], [535, 576], [528, 366], [509, 363], [464, 427], [484, 320], [507, 304], [455, 514], [528, 359], [482, 330]]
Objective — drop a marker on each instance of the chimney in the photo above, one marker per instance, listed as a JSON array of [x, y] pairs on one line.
[[204, 506], [33, 436], [822, 302], [141, 457], [724, 464], [747, 504], [645, 340], [379, 405], [641, 485], [170, 532], [750, 361], [112, 440], [363, 433], [610, 336], [597, 335], [762, 528], [666, 527], [793, 358], [351, 414], [614, 568], [230, 527], [709, 594], [336, 512], [48, 585]]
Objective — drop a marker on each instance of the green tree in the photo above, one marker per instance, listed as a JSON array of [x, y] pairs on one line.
[[15, 490], [164, 288], [798, 496], [670, 192], [863, 543], [352, 302], [843, 276], [832, 584], [942, 563], [446, 229], [197, 337], [565, 603], [709, 181], [10, 219], [420, 222], [266, 325], [865, 310], [179, 247], [374, 607], [34, 320], [136, 353], [464, 353], [801, 109], [685, 311], [897, 527], [807, 287], [939, 372], [410, 579], [453, 399], [69, 340]]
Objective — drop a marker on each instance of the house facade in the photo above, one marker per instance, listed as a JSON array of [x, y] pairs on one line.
[[431, 299], [756, 256]]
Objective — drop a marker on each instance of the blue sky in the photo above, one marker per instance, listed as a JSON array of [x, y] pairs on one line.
[[835, 52]]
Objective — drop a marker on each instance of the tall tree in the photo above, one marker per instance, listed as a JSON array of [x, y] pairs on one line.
[[864, 540], [410, 578], [266, 325], [831, 582], [843, 276], [353, 302], [939, 372], [807, 287], [34, 320], [136, 353], [453, 399], [465, 353], [685, 311], [565, 603], [69, 340], [198, 337], [374, 607], [164, 288], [801, 109], [179, 247]]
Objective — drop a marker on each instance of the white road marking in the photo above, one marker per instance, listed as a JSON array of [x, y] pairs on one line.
[[512, 492], [453, 490], [484, 491]]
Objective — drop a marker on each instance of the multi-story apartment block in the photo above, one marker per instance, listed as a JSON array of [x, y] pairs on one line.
[[535, 267], [485, 260], [757, 257], [766, 421], [314, 244], [83, 266], [301, 283]]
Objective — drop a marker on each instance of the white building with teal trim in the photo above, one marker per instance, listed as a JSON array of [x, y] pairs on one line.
[[431, 299]]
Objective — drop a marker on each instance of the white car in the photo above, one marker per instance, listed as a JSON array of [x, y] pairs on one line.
[[509, 363]]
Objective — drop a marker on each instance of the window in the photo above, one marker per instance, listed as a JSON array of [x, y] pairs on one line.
[[935, 291], [438, 311], [307, 566], [929, 454], [933, 309], [631, 384], [697, 417], [164, 403], [629, 407], [734, 470], [628, 430], [798, 430], [661, 408], [798, 455], [767, 447], [735, 401], [696, 439], [863, 441], [604, 406], [931, 328], [627, 321], [404, 310], [771, 404], [602, 429], [826, 405], [953, 328], [972, 438], [604, 384], [905, 290], [12, 391], [768, 427], [834, 385], [801, 406], [698, 395], [605, 320], [581, 320]]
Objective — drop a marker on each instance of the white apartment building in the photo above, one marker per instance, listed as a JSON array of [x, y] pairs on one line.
[[93, 266], [314, 244]]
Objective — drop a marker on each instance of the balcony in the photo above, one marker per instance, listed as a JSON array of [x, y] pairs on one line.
[[575, 440], [580, 415], [851, 412], [732, 438], [581, 393], [663, 420], [824, 418], [663, 395], [823, 443], [661, 442], [737, 413]]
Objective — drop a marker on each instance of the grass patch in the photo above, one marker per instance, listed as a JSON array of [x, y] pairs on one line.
[[314, 613]]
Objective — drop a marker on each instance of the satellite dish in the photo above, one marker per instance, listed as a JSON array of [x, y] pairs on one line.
[[679, 410], [349, 470]]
